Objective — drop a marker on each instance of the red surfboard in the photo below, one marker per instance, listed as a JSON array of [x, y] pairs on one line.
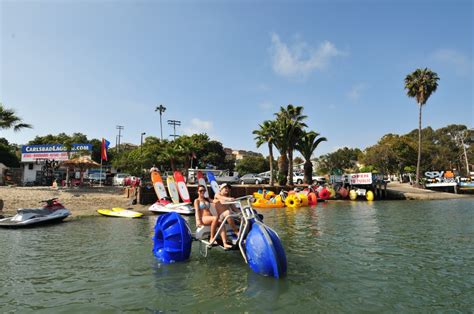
[[182, 188]]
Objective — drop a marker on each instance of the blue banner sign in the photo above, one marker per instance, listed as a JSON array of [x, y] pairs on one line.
[[54, 148], [31, 153]]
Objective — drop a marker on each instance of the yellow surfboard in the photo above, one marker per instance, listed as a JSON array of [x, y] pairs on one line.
[[119, 212]]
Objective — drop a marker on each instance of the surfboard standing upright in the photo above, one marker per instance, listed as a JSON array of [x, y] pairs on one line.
[[158, 185], [182, 188], [213, 182], [202, 181], [163, 205]]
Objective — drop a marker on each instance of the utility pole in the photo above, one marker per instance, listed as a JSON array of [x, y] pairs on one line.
[[161, 109], [174, 123], [120, 128], [141, 141], [468, 171]]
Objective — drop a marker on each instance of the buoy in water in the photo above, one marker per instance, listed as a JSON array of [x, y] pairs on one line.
[[324, 194], [312, 199], [343, 192], [369, 195], [352, 195]]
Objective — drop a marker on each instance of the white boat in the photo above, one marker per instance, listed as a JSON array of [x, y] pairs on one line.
[[180, 208], [53, 212]]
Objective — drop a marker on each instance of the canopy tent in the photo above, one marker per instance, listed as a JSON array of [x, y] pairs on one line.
[[82, 163]]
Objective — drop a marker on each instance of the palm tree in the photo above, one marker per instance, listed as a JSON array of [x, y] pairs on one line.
[[291, 118], [420, 85], [306, 146], [281, 144], [9, 120], [266, 134]]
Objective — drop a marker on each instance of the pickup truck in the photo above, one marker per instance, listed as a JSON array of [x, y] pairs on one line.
[[298, 178]]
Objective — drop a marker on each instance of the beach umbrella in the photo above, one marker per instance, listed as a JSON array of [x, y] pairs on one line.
[[82, 163]]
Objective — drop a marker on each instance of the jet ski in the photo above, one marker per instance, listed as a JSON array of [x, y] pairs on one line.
[[164, 205], [51, 212]]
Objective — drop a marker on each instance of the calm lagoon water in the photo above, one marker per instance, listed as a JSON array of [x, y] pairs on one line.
[[387, 256]]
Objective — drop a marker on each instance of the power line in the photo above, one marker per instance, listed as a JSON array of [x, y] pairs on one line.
[[120, 128], [174, 123]]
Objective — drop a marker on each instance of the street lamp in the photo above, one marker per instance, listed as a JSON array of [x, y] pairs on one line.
[[141, 140], [161, 109]]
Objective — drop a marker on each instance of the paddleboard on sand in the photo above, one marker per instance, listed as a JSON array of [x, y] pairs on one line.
[[202, 181], [213, 182], [182, 188], [158, 185], [119, 212], [173, 189]]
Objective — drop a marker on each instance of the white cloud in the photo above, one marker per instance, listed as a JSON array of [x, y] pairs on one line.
[[356, 92], [454, 59], [199, 126], [300, 59]]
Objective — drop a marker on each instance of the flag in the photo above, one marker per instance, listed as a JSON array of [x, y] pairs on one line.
[[193, 155], [103, 149]]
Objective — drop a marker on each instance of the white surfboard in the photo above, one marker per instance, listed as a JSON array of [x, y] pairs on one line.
[[173, 189], [202, 181]]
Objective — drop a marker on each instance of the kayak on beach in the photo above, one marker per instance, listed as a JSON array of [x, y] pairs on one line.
[[119, 212]]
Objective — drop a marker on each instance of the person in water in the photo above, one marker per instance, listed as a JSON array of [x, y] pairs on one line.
[[204, 217], [224, 210]]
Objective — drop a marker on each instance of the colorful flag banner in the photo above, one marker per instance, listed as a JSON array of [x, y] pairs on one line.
[[103, 149]]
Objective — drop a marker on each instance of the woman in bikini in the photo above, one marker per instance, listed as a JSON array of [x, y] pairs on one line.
[[202, 206]]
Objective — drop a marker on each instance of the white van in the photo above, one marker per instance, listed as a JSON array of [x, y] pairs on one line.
[[118, 179]]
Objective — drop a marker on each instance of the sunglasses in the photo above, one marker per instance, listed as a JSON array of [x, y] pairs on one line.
[[201, 190]]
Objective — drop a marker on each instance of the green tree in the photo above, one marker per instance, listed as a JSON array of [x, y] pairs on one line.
[[267, 134], [342, 160], [252, 164], [420, 85], [306, 145], [9, 120], [8, 154], [291, 118]]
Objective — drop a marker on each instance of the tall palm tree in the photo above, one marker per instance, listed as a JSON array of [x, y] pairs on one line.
[[9, 120], [266, 134], [281, 144], [420, 85], [291, 118], [306, 146]]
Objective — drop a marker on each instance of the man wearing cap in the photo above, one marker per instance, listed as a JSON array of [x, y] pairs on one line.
[[224, 210]]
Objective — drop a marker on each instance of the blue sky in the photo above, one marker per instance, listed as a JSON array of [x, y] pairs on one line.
[[223, 67]]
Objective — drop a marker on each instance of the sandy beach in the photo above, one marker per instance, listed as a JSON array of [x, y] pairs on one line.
[[80, 201], [85, 201]]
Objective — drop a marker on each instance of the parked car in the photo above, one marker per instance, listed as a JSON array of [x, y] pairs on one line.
[[228, 179], [97, 177], [131, 181], [252, 178], [119, 177]]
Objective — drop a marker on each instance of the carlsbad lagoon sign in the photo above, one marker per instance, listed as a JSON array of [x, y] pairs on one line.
[[58, 152]]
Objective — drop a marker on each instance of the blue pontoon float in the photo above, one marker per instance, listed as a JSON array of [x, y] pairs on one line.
[[259, 245]]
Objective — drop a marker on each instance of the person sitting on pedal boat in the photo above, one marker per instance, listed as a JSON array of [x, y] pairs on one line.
[[224, 210]]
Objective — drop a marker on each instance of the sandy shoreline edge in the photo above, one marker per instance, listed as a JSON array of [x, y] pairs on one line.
[[86, 201]]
